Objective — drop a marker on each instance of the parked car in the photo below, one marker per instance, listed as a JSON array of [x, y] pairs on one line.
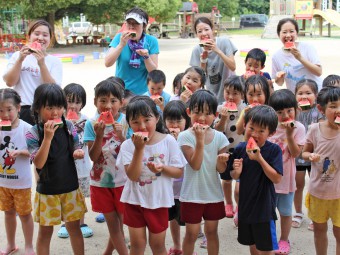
[[253, 20], [80, 27]]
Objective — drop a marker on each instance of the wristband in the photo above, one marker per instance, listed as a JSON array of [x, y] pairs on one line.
[[203, 61], [146, 57]]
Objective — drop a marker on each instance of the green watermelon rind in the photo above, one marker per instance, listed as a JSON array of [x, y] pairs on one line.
[[232, 107], [58, 122], [6, 125]]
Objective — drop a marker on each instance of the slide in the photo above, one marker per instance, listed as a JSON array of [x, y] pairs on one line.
[[331, 16]]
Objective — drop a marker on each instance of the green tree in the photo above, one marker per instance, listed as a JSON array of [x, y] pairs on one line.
[[249, 6]]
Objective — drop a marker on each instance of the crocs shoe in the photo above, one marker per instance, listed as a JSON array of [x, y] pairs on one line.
[[204, 243], [284, 247], [100, 218], [175, 252], [86, 231], [229, 211], [62, 233]]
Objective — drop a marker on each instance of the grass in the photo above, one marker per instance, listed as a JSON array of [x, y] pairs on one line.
[[245, 31]]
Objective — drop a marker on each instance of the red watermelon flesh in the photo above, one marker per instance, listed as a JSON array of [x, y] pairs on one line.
[[254, 104], [143, 134], [251, 145], [156, 96], [34, 46], [107, 118], [72, 115], [337, 120], [58, 122], [289, 45], [5, 125], [249, 73], [304, 104], [232, 107], [202, 125]]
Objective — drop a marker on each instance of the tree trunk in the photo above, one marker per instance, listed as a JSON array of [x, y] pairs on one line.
[[51, 19]]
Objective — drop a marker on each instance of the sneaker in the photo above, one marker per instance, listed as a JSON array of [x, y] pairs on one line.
[[200, 234], [204, 243], [229, 210], [100, 218]]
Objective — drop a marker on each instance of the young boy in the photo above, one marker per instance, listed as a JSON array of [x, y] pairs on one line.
[[156, 85], [257, 171]]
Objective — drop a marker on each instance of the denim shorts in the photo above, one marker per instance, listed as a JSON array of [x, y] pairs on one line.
[[284, 203]]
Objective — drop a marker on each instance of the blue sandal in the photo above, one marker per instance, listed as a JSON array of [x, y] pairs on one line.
[[100, 218], [62, 233], [86, 231]]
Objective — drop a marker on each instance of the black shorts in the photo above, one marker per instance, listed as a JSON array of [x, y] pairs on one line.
[[262, 235], [303, 168], [26, 115], [175, 213]]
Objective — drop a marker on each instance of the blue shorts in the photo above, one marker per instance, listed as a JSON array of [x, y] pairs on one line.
[[284, 203]]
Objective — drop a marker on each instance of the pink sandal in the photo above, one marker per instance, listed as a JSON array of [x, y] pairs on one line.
[[173, 251], [229, 210], [284, 247]]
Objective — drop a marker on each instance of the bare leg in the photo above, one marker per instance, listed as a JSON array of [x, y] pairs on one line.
[[336, 232], [191, 232], [109, 248], [237, 192], [11, 226], [254, 251], [27, 229], [320, 238], [138, 240], [44, 240], [210, 229], [227, 190], [298, 196], [157, 243], [286, 225], [76, 237], [175, 229]]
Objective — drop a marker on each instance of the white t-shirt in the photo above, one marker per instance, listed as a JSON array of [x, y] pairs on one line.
[[203, 186], [30, 76], [295, 71], [151, 191], [15, 173]]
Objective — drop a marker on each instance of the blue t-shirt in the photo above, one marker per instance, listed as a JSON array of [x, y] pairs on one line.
[[134, 78], [165, 96], [257, 201]]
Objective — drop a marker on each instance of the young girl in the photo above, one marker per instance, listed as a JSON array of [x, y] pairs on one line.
[[205, 150], [193, 79], [176, 86], [76, 100], [257, 91], [151, 159], [306, 89], [322, 149], [290, 136], [331, 80], [53, 147], [176, 120], [226, 123], [107, 181], [15, 173]]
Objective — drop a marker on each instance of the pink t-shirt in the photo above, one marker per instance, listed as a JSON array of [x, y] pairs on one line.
[[325, 175], [288, 183]]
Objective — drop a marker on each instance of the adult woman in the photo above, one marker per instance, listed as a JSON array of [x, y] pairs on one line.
[[296, 63], [135, 52], [28, 68], [216, 57]]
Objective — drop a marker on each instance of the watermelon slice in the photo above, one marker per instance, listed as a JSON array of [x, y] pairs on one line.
[[337, 120], [185, 88], [254, 104], [290, 121], [58, 122], [34, 46], [304, 104], [107, 118], [174, 130], [251, 145], [5, 125], [132, 33], [72, 115], [202, 125], [143, 134], [231, 106], [203, 42], [156, 96], [288, 45], [248, 74]]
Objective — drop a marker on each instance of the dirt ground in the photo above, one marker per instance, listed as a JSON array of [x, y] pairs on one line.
[[174, 58]]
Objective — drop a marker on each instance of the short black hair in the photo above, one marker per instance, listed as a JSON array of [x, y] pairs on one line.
[[116, 79], [74, 92], [235, 82], [48, 94], [284, 21], [258, 55], [107, 87], [331, 80], [198, 70], [202, 97], [282, 99], [176, 110], [328, 94], [156, 76], [264, 116], [260, 81], [8, 93], [310, 83]]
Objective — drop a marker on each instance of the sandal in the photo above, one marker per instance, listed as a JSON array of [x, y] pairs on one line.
[[100, 218], [204, 243], [229, 211], [284, 247], [236, 220], [86, 231], [11, 252], [62, 233], [297, 220], [175, 252], [311, 226]]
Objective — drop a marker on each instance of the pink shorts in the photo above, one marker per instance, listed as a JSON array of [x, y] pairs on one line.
[[106, 200], [156, 220], [192, 213]]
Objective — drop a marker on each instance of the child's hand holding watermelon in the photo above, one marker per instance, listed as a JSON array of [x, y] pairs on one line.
[[99, 128], [118, 128], [49, 128]]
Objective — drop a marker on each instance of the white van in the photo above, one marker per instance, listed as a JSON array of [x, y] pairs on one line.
[[80, 27]]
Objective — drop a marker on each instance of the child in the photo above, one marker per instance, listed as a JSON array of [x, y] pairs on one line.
[[53, 148], [306, 89], [76, 100], [107, 181], [156, 84], [205, 150], [257, 91], [290, 136], [176, 120], [127, 97], [331, 80], [193, 79], [150, 160], [226, 123], [15, 173], [176, 87], [257, 171], [322, 149]]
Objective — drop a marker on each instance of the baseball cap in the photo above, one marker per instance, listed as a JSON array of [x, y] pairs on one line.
[[139, 18]]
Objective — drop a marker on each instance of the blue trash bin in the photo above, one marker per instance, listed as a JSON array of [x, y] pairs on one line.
[[81, 58], [75, 59], [96, 54]]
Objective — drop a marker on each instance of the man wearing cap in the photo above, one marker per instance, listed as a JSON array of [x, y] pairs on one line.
[[135, 52]]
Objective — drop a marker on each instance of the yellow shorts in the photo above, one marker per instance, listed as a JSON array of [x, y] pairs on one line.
[[320, 210], [18, 199], [50, 210]]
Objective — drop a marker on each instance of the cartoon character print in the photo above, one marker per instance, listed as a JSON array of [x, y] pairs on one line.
[[283, 145], [287, 67], [80, 126], [147, 176], [328, 169], [7, 161]]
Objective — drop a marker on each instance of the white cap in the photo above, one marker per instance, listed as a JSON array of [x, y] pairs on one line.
[[132, 15]]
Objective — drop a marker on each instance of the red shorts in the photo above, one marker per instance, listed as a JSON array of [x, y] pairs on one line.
[[192, 213], [156, 220], [106, 200]]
